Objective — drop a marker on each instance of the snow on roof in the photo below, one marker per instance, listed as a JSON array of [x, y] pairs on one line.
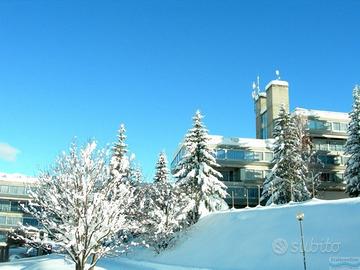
[[241, 142], [322, 114], [16, 177], [276, 82]]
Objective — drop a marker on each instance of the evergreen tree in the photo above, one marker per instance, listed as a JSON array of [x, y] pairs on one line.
[[168, 209], [286, 181], [120, 164], [196, 172], [352, 148]]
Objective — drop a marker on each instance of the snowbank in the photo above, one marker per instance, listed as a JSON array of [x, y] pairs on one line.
[[270, 237], [257, 238]]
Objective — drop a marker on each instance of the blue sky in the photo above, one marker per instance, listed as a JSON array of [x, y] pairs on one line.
[[80, 68]]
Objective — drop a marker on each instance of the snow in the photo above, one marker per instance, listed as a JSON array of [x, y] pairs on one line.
[[240, 142], [276, 82], [245, 239], [323, 114], [16, 177]]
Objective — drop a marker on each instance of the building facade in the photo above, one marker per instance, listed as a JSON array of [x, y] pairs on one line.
[[13, 192], [246, 162]]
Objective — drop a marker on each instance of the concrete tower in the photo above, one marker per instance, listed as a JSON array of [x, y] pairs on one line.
[[267, 107]]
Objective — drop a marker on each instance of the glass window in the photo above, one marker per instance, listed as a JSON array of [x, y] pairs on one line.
[[264, 124], [4, 189], [324, 146], [13, 220], [236, 192], [235, 155], [4, 205], [248, 174], [336, 126], [253, 193], [15, 206], [258, 156], [3, 237], [3, 220], [269, 156], [312, 124], [220, 154], [332, 146], [343, 127], [30, 221]]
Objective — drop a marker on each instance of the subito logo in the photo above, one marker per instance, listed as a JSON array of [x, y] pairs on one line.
[[280, 246]]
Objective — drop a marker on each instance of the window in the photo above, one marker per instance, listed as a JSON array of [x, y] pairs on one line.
[[336, 126], [220, 154], [30, 221], [4, 189], [235, 155], [343, 127], [317, 124], [269, 156], [236, 192], [328, 159], [15, 206], [3, 237], [13, 220], [3, 220], [253, 193], [264, 124], [4, 205], [249, 175]]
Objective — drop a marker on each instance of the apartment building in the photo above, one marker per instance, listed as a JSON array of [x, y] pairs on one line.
[[245, 162], [13, 192]]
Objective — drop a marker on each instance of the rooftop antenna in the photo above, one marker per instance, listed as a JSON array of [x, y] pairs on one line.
[[256, 87], [277, 72]]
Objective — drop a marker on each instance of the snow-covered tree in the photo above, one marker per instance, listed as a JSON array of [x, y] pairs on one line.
[[169, 208], [120, 164], [286, 181], [82, 206], [196, 172], [352, 148]]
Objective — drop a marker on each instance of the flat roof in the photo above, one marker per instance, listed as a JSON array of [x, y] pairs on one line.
[[342, 116], [241, 142], [16, 177]]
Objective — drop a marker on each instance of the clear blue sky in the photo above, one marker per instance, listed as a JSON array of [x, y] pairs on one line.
[[80, 68]]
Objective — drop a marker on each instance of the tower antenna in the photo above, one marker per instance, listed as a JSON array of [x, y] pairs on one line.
[[277, 72]]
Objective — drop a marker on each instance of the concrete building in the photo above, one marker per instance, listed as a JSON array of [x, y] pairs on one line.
[[245, 162], [13, 192]]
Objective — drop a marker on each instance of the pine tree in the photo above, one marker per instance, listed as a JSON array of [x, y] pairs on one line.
[[352, 148], [168, 209], [120, 164], [196, 172], [286, 181]]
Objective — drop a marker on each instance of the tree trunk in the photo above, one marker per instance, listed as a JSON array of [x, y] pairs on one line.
[[93, 259], [79, 266]]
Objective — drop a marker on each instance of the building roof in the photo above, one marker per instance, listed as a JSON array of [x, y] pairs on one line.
[[322, 114], [16, 177], [276, 82], [241, 142]]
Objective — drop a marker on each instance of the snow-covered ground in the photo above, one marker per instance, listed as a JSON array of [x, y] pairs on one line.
[[257, 238]]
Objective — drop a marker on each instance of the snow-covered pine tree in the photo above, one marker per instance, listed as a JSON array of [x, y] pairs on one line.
[[286, 181], [120, 164], [196, 172], [82, 206], [169, 209], [352, 148]]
